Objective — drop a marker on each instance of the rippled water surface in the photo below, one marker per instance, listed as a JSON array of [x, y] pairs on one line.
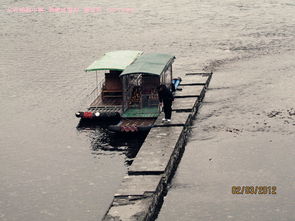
[[52, 171]]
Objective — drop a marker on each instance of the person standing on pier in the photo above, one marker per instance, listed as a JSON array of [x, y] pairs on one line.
[[166, 98]]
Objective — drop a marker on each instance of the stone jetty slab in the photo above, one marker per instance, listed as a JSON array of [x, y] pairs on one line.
[[186, 104], [178, 119], [136, 199], [199, 79], [191, 91], [138, 185], [127, 210], [156, 153]]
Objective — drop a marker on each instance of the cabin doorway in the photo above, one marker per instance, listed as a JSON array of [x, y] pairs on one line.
[[140, 98]]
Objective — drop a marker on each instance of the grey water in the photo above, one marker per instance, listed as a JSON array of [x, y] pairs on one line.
[[243, 135]]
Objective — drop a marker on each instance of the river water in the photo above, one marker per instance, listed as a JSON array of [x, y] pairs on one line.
[[244, 134]]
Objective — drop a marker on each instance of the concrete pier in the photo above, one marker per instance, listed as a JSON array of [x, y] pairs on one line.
[[141, 193]]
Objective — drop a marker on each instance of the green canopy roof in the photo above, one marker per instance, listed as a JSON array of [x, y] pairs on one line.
[[153, 64], [115, 60]]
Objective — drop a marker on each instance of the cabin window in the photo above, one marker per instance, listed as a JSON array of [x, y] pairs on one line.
[[140, 91]]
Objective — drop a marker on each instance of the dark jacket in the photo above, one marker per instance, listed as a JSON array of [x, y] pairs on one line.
[[165, 95]]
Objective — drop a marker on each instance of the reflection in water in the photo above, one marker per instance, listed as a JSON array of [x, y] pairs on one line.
[[104, 141]]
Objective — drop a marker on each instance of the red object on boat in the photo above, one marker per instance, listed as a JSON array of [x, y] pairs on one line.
[[88, 115], [133, 128], [129, 128]]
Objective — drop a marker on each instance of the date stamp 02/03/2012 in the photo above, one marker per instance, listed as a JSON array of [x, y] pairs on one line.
[[254, 190]]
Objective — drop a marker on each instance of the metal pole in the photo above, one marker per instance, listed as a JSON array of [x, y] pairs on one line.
[[96, 84], [124, 93], [171, 73]]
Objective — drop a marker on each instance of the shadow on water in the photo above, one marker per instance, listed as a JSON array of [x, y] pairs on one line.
[[104, 141]]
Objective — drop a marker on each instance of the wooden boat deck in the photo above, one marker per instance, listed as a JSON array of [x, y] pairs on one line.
[[137, 122], [106, 102], [133, 125]]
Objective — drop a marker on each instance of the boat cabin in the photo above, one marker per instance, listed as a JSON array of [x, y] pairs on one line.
[[140, 80], [107, 96]]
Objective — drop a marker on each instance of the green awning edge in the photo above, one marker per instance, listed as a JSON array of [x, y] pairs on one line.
[[151, 64], [114, 60]]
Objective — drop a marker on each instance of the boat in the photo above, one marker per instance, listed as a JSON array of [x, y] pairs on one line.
[[140, 79], [105, 100]]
